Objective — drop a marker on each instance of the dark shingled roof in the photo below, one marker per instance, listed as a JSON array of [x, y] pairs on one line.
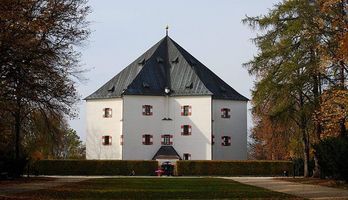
[[166, 152], [166, 65]]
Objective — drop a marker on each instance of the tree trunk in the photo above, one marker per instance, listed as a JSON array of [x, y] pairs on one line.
[[343, 130], [305, 139], [318, 128], [17, 120], [305, 153], [17, 117]]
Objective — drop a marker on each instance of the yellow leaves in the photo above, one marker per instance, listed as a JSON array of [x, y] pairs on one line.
[[333, 111], [344, 45]]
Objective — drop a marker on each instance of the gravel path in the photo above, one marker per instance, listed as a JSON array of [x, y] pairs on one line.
[[296, 189]]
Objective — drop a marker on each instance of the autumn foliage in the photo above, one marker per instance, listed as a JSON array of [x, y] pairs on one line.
[[301, 71]]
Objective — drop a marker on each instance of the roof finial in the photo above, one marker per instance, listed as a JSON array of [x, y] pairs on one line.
[[167, 27]]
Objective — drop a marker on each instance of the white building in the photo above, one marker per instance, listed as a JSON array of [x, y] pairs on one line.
[[166, 105]]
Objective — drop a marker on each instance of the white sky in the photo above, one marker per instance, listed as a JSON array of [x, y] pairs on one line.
[[210, 30]]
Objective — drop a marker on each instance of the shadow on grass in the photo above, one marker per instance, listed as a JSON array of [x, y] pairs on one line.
[[155, 188]]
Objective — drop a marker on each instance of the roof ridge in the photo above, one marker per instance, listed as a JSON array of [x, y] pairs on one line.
[[195, 66], [188, 62]]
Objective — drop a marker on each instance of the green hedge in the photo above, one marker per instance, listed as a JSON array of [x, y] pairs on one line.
[[233, 168], [94, 167]]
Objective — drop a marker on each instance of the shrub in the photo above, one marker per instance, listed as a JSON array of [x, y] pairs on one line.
[[332, 156], [299, 166], [93, 167], [234, 168], [10, 167]]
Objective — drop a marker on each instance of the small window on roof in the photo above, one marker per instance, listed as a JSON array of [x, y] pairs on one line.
[[146, 85], [111, 89], [193, 62], [189, 86], [142, 62], [176, 60], [159, 60], [222, 89]]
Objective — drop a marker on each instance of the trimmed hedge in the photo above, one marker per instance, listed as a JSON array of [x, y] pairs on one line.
[[94, 167], [332, 156], [234, 168]]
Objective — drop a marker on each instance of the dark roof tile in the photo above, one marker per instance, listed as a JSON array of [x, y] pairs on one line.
[[167, 65]]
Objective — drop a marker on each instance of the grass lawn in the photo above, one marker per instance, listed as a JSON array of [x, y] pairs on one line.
[[155, 188]]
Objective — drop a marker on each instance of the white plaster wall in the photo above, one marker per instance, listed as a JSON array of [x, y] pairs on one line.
[[98, 126], [235, 127], [135, 125], [198, 144]]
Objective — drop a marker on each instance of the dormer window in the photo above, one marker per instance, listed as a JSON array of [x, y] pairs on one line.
[[186, 130], [225, 113], [107, 112], [147, 110], [186, 110], [146, 85]]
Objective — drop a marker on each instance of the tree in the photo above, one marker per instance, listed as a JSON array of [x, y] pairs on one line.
[[38, 58], [272, 140], [301, 70], [286, 68], [50, 137], [334, 56]]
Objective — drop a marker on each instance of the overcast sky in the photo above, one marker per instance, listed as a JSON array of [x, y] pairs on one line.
[[210, 30]]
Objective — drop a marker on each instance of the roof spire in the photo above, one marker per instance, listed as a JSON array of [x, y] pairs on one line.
[[167, 27]]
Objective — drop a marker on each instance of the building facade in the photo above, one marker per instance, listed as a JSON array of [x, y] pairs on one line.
[[166, 105]]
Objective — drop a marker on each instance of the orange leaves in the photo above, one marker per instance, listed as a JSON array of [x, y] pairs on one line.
[[333, 111]]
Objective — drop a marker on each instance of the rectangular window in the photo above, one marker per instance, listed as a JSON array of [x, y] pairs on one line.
[[225, 113], [167, 139], [147, 110], [187, 156], [212, 139], [147, 139], [226, 141], [186, 110], [121, 140], [107, 112], [186, 130], [107, 140]]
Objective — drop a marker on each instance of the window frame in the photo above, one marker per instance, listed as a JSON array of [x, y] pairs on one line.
[[107, 112], [226, 140], [147, 139], [225, 113], [186, 156], [107, 140], [186, 110], [147, 110], [186, 130], [166, 140]]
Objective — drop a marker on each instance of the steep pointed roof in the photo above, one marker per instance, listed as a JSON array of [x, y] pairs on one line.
[[167, 65]]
